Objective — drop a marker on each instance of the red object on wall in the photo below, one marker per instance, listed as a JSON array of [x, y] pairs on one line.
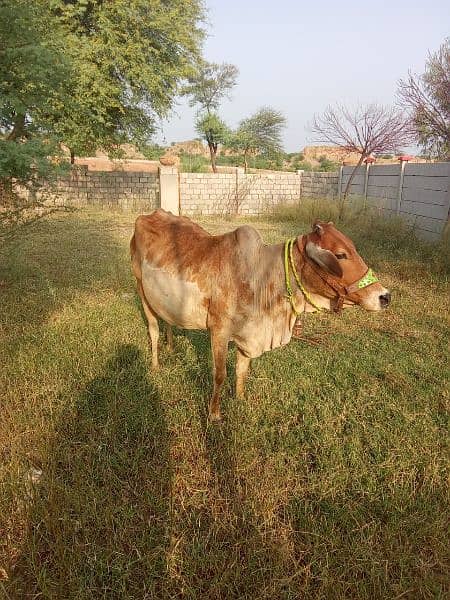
[[405, 158], [369, 160]]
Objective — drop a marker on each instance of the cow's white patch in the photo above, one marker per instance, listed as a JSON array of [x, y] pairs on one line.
[[177, 301]]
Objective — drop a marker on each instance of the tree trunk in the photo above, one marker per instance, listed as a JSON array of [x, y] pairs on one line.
[[347, 187], [245, 162], [352, 175], [18, 130], [72, 156], [212, 153]]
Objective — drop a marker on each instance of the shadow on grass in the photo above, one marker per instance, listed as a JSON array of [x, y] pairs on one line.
[[99, 522], [231, 553], [54, 259]]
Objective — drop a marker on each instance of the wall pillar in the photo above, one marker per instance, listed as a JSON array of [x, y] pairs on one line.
[[300, 176], [169, 189], [341, 177], [366, 182], [400, 186]]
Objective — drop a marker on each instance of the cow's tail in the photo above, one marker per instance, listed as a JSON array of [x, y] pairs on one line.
[[135, 258]]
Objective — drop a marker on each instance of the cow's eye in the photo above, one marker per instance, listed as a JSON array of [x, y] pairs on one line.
[[341, 256]]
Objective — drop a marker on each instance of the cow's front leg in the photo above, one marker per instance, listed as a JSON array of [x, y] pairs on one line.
[[219, 347], [242, 367]]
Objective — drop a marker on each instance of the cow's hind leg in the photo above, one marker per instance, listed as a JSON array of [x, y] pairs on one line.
[[219, 347], [153, 327], [242, 367]]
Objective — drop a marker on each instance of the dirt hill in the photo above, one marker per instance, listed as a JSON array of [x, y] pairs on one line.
[[313, 153], [193, 147]]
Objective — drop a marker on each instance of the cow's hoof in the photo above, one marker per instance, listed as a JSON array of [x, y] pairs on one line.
[[215, 417]]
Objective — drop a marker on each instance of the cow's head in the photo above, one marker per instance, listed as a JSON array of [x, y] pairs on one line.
[[340, 264]]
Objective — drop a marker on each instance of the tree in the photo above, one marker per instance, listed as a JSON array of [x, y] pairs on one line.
[[259, 134], [30, 70], [370, 129], [88, 74], [210, 84], [427, 97], [207, 87], [129, 58], [214, 131]]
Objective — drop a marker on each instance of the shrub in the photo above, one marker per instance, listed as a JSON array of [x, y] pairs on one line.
[[193, 163], [327, 165], [152, 151]]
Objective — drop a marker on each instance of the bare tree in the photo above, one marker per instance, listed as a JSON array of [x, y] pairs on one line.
[[370, 129], [428, 98]]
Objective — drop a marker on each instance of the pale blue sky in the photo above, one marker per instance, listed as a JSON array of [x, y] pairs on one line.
[[298, 57]]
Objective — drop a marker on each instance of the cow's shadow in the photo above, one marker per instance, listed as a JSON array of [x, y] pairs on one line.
[[230, 550], [100, 516]]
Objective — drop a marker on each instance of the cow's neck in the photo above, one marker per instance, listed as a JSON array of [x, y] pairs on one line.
[[273, 278], [316, 287]]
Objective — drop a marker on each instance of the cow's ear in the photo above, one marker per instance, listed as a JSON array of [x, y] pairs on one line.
[[317, 228], [324, 258]]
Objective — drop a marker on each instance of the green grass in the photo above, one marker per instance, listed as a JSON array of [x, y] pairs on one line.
[[328, 481]]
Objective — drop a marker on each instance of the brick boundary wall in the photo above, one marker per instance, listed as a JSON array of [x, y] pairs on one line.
[[125, 190], [249, 194], [421, 196], [197, 193]]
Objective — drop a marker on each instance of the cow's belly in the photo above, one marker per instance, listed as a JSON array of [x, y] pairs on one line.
[[175, 300]]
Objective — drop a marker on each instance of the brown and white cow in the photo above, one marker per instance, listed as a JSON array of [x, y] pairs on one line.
[[234, 285]]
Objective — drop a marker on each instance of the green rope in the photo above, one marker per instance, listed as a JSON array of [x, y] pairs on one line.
[[289, 256]]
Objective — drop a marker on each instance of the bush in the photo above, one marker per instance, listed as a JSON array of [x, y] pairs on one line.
[[152, 151], [302, 165], [193, 163], [327, 165]]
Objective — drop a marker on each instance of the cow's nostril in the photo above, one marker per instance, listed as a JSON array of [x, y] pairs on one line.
[[385, 299]]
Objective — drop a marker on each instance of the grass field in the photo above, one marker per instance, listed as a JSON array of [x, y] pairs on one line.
[[328, 481]]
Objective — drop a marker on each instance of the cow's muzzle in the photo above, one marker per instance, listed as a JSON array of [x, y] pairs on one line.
[[385, 299]]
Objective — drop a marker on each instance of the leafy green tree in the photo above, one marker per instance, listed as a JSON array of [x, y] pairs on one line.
[[129, 58], [259, 134], [30, 71], [207, 87], [211, 128], [209, 84], [428, 99], [89, 74]]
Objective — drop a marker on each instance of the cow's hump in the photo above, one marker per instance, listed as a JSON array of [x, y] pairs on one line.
[[248, 238]]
